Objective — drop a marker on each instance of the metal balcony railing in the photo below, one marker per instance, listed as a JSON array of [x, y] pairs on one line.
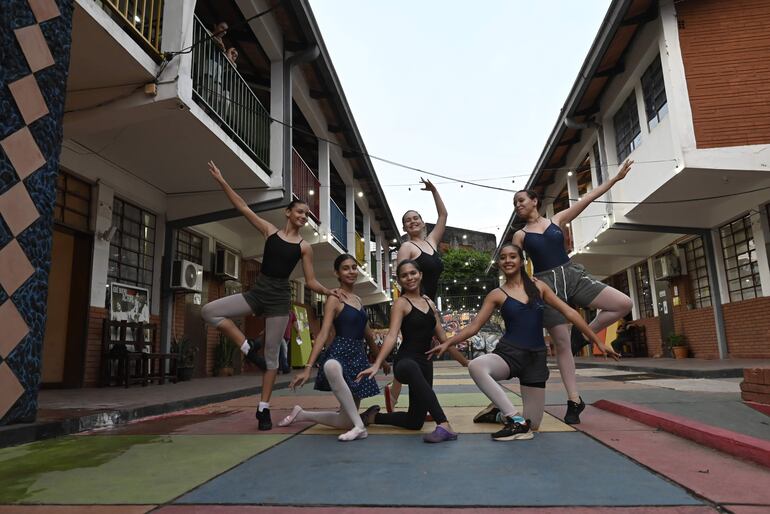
[[304, 184], [360, 249], [339, 224], [143, 19], [227, 97]]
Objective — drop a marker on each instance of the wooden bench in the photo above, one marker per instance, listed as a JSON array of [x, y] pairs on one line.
[[130, 355]]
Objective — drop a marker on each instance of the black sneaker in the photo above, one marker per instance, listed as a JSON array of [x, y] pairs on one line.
[[265, 422], [488, 415], [253, 357], [513, 431], [573, 412]]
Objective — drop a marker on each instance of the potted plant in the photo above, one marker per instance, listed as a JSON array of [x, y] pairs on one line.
[[186, 352], [678, 346], [224, 353]]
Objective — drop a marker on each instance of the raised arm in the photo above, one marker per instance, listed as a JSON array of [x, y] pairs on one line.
[[240, 204], [569, 214], [491, 302], [396, 316], [330, 312], [407, 251], [434, 238], [518, 238], [307, 268], [573, 317]]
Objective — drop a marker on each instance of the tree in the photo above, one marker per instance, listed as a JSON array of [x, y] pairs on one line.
[[464, 263]]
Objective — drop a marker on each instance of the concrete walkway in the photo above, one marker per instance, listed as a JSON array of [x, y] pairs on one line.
[[695, 368]]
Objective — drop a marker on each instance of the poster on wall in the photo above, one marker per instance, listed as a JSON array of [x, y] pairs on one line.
[[300, 338], [131, 304]]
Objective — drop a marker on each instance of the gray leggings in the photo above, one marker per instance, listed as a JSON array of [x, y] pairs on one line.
[[235, 306]]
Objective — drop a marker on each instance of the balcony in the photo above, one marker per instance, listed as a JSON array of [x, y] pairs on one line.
[[360, 249], [304, 184], [339, 225], [223, 92], [143, 20]]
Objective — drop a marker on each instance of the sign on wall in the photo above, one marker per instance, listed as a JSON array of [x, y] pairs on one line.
[[129, 303]]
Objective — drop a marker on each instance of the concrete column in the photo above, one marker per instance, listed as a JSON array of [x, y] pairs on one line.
[[386, 266], [633, 292], [100, 258], [760, 228], [380, 244], [653, 287], [719, 264], [276, 128], [350, 214], [324, 199], [572, 189], [178, 33], [367, 235]]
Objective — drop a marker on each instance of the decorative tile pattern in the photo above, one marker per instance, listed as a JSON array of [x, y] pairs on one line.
[[32, 92], [14, 328], [17, 208], [28, 98]]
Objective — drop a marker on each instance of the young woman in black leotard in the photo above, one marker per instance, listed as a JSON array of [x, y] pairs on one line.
[[271, 295], [415, 316], [521, 351], [423, 249], [543, 240]]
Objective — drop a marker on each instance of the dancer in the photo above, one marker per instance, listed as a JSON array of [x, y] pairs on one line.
[[543, 240], [415, 316], [270, 296], [423, 250], [345, 358], [521, 351]]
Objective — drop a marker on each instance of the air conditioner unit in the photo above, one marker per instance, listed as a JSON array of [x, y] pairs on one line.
[[227, 264], [187, 275], [666, 266]]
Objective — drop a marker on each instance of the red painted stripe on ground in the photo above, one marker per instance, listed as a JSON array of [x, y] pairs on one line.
[[733, 443], [761, 407]]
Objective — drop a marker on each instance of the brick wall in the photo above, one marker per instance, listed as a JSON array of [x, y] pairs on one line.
[[93, 354], [652, 332], [726, 53]]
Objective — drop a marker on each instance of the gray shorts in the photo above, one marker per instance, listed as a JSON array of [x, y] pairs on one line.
[[573, 285], [269, 297]]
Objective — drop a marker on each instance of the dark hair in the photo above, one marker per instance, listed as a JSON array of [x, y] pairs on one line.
[[342, 258], [404, 262], [531, 193], [533, 293], [407, 212], [294, 203]]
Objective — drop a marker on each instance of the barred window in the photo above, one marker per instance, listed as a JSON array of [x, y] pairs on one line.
[[627, 131], [619, 281], [643, 290], [189, 246], [697, 272], [654, 92], [132, 248], [740, 258], [73, 202], [599, 164]]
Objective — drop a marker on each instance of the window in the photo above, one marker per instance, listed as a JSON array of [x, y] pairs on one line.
[[599, 164], [627, 131], [643, 290], [294, 285], [73, 202], [654, 92], [132, 248], [740, 258], [189, 246], [619, 281], [695, 256]]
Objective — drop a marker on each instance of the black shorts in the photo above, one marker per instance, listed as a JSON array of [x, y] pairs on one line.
[[530, 366]]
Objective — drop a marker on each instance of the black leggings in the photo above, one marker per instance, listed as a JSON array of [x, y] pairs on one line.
[[418, 374]]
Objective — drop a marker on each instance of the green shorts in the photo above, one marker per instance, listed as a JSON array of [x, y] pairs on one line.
[[573, 285]]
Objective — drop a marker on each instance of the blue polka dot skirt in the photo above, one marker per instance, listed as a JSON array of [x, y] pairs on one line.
[[351, 355]]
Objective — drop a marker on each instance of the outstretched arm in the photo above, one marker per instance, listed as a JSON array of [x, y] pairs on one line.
[[330, 311], [434, 238], [569, 214], [240, 204], [573, 317], [307, 268], [487, 308], [396, 315]]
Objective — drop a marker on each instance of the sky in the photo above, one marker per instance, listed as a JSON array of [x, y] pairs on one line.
[[470, 90]]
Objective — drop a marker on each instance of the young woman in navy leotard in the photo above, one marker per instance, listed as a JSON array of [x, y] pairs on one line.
[[423, 249], [521, 351], [345, 358], [543, 240], [415, 316], [271, 296]]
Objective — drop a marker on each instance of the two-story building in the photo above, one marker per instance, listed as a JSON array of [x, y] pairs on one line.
[[683, 89], [153, 94]]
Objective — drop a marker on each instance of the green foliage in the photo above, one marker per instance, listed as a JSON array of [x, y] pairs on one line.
[[676, 340], [461, 263], [186, 351], [224, 353]]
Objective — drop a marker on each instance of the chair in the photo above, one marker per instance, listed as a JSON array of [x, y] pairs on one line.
[[135, 359]]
